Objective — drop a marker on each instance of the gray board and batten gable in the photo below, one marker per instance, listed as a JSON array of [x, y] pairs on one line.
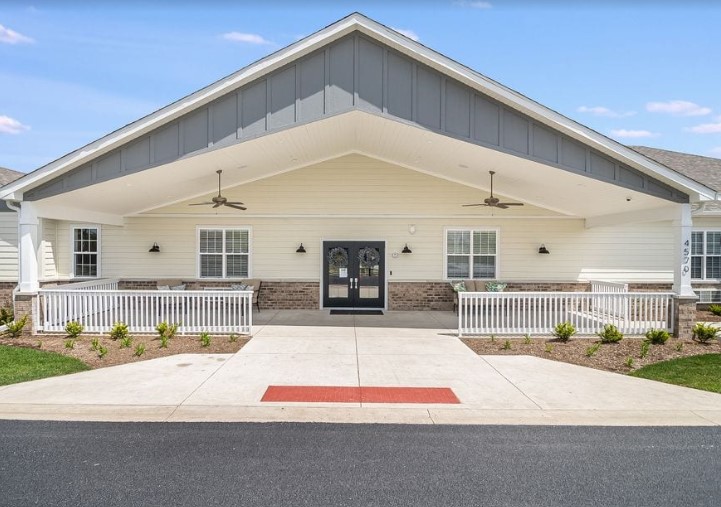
[[355, 73]]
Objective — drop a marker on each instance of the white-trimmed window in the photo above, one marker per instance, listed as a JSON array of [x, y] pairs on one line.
[[86, 252], [471, 253], [706, 255], [223, 252]]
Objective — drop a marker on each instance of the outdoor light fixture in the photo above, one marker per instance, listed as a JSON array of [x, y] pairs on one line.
[[155, 248], [301, 249], [543, 250], [406, 249]]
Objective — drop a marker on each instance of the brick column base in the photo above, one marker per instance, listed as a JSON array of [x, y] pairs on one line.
[[684, 316], [24, 305]]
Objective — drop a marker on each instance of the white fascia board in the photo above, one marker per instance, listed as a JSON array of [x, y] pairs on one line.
[[67, 213]]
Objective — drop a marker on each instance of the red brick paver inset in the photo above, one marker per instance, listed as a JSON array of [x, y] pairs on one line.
[[340, 394]]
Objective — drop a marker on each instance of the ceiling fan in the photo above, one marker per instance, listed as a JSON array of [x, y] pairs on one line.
[[219, 200], [494, 202]]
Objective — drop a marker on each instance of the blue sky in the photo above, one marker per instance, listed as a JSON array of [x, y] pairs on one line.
[[641, 72]]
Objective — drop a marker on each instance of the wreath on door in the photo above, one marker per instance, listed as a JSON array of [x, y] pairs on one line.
[[338, 257], [368, 257]]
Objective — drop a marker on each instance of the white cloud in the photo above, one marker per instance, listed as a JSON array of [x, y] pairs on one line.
[[11, 125], [678, 108], [408, 33], [249, 38], [604, 111], [633, 133], [474, 4], [706, 128], [9, 36]]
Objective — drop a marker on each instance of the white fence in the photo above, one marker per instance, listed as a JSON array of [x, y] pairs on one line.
[[214, 311], [539, 312]]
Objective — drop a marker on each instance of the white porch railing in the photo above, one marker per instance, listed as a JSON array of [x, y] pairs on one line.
[[539, 312], [100, 284], [214, 311], [603, 286]]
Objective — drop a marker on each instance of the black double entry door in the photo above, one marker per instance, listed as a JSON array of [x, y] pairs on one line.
[[353, 274]]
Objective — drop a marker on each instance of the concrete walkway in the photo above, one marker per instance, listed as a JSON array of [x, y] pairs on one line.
[[403, 349]]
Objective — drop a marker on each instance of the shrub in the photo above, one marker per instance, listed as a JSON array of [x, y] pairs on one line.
[[563, 331], [679, 346], [645, 346], [549, 348], [126, 342], [629, 362], [657, 336], [167, 330], [610, 334], [715, 309], [507, 345], [233, 338], [139, 349], [704, 333], [6, 316], [204, 340], [74, 328], [591, 351], [163, 342], [95, 344], [119, 331], [102, 351], [70, 344], [15, 328], [527, 339]]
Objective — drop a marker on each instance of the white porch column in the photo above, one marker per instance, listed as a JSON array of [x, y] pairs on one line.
[[682, 252], [28, 248]]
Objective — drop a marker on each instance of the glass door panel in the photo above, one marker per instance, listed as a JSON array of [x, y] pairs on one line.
[[353, 274]]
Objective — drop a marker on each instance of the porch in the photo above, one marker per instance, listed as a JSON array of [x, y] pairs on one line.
[[98, 305]]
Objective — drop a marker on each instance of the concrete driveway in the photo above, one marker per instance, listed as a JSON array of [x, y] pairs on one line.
[[396, 350]]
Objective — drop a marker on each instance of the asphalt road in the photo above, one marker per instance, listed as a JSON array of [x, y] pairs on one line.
[[164, 464]]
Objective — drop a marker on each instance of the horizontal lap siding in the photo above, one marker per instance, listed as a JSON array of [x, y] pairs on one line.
[[347, 198], [9, 247]]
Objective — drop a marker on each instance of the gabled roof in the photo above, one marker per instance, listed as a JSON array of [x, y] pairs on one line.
[[391, 38], [705, 170], [8, 176]]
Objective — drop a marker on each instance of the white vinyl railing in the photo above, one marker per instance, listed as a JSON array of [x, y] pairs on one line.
[[539, 312], [100, 284], [603, 286], [214, 311]]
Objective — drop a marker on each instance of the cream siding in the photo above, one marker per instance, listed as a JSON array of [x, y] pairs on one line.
[[359, 198], [49, 270], [9, 247]]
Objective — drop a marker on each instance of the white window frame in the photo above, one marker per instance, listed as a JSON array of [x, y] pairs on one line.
[[703, 256], [98, 254], [448, 229], [223, 228]]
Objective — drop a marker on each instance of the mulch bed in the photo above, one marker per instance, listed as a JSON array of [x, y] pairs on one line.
[[609, 357], [706, 316], [189, 344]]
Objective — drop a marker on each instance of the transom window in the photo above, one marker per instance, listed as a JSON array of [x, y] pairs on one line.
[[706, 255], [471, 254], [224, 253], [86, 252]]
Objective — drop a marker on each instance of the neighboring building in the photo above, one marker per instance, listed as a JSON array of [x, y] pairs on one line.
[[363, 146]]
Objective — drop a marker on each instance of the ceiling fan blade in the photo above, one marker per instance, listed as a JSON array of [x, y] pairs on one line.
[[511, 203], [501, 205], [201, 204], [217, 205], [234, 202], [231, 205], [479, 204]]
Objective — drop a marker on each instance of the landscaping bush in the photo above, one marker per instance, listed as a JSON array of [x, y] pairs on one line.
[[610, 334], [6, 316], [74, 328], [119, 331], [15, 328], [563, 331], [704, 333], [204, 339], [658, 336], [167, 330], [715, 309]]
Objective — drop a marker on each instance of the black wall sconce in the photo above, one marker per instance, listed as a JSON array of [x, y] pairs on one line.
[[155, 248], [406, 250], [543, 250], [301, 249]]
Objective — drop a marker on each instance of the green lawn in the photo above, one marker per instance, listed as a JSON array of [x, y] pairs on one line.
[[700, 372], [18, 364]]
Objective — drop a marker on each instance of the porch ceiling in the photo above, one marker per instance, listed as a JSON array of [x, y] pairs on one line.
[[392, 141]]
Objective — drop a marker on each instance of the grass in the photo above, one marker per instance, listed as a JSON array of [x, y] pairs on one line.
[[699, 372], [21, 364]]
